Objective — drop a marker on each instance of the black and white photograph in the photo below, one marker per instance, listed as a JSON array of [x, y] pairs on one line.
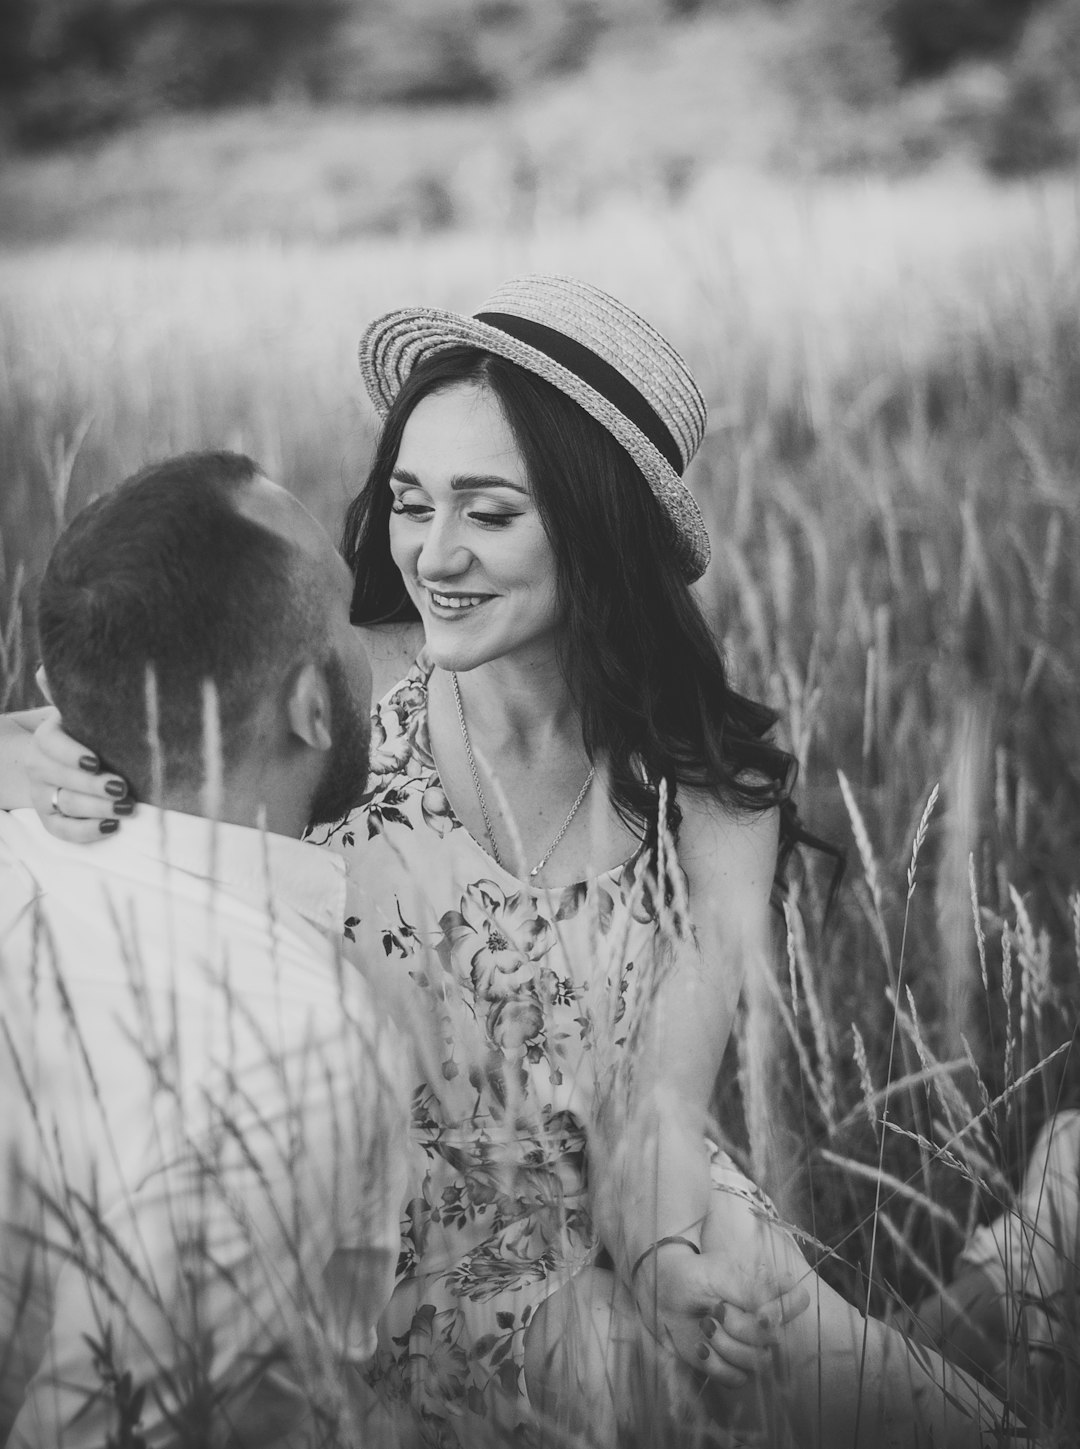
[[539, 724]]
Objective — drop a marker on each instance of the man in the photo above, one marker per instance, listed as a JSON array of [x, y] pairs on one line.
[[200, 1129]]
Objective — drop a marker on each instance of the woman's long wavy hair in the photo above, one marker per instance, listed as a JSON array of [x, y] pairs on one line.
[[642, 665]]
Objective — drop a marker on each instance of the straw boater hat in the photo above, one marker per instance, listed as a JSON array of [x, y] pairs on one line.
[[591, 347]]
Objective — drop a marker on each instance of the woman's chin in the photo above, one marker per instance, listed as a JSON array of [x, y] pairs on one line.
[[451, 655]]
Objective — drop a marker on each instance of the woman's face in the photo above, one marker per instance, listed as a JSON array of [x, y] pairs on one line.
[[466, 534]]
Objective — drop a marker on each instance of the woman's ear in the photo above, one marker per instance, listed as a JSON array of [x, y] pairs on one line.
[[307, 707]]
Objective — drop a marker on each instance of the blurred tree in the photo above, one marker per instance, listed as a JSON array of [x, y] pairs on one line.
[[77, 66], [59, 77], [16, 34], [85, 65], [1039, 123], [842, 50], [70, 68], [460, 50], [930, 35]]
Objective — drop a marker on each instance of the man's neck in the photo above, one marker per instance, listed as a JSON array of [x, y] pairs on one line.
[[278, 816]]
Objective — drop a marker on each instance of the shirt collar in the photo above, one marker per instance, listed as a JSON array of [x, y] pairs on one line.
[[262, 868]]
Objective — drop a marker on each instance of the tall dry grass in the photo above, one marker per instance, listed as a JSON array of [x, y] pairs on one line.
[[889, 480]]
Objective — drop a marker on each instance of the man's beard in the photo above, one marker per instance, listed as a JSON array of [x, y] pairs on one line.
[[345, 774]]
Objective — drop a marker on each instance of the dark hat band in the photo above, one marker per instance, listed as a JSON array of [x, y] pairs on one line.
[[608, 381]]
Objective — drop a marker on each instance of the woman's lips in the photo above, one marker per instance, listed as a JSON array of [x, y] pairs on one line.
[[454, 604]]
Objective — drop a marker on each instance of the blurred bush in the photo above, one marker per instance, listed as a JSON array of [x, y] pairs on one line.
[[931, 35], [896, 84], [842, 51], [827, 84], [457, 50], [925, 36], [1038, 123], [75, 67], [862, 49]]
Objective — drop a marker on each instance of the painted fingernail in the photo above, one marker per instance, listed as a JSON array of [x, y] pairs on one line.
[[90, 763], [123, 807], [116, 788], [703, 1351], [709, 1326], [108, 826], [720, 1311]]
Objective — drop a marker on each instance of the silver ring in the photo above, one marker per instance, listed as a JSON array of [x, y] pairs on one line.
[[55, 805]]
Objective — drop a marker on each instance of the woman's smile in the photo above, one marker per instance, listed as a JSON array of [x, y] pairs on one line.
[[441, 600]]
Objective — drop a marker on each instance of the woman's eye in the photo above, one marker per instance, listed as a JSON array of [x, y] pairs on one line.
[[493, 520], [410, 510]]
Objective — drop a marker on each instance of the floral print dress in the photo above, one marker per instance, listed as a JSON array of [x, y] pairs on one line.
[[520, 998]]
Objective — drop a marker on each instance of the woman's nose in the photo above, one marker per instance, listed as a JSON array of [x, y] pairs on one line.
[[443, 553]]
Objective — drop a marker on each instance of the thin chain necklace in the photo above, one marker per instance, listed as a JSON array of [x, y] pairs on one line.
[[563, 828]]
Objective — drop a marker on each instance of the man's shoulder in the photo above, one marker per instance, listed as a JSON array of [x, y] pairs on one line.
[[24, 843], [178, 883], [19, 885], [18, 827]]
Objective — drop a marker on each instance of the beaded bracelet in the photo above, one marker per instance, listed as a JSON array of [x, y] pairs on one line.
[[662, 1243]]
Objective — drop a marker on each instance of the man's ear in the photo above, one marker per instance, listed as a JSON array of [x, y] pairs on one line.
[[307, 706], [43, 683]]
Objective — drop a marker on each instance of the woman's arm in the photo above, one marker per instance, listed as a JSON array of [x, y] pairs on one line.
[[841, 1378], [655, 1165], [42, 767]]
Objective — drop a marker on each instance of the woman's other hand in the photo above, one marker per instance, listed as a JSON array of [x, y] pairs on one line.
[[75, 800], [714, 1314]]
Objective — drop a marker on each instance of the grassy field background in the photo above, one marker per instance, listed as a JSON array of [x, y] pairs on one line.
[[890, 480]]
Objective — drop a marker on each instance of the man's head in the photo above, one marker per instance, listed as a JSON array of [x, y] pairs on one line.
[[199, 570]]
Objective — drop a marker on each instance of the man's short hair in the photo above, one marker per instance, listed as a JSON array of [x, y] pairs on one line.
[[163, 576]]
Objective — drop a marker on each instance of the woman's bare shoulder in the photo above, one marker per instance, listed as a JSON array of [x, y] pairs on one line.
[[729, 860], [715, 839], [392, 649]]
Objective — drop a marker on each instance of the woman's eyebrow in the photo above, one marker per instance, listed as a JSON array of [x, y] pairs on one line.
[[462, 482], [466, 482]]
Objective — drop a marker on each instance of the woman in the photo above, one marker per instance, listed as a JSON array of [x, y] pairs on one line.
[[564, 864], [560, 639]]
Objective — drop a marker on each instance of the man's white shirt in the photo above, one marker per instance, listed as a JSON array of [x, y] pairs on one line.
[[201, 1135]]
